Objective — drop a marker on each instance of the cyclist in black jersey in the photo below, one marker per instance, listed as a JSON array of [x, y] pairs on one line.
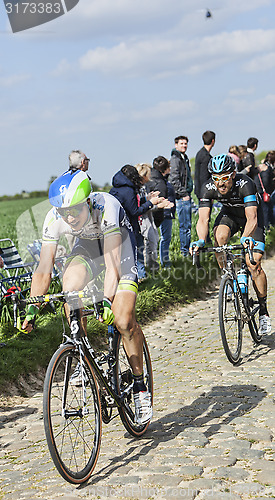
[[241, 211]]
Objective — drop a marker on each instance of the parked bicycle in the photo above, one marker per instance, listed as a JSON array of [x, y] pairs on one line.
[[81, 389], [238, 303]]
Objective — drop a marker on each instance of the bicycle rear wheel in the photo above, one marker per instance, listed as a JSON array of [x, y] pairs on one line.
[[230, 320], [73, 431], [254, 307], [124, 380]]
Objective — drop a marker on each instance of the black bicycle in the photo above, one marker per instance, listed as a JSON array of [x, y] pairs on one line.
[[238, 303], [81, 389]]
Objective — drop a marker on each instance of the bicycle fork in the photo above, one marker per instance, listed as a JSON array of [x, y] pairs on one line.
[[83, 410]]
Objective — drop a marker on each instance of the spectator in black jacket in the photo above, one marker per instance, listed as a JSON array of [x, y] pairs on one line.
[[159, 182], [202, 159], [265, 178], [248, 161]]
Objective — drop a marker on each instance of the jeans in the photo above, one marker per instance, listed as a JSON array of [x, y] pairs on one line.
[[184, 214], [140, 256], [165, 239]]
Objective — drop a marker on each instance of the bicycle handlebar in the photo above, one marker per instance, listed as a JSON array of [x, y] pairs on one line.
[[53, 297], [223, 248]]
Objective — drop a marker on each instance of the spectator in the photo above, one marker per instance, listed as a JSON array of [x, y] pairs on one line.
[[243, 152], [234, 152], [202, 159], [126, 184], [147, 225], [265, 179], [181, 180], [78, 160], [166, 227], [161, 167], [248, 160], [158, 182]]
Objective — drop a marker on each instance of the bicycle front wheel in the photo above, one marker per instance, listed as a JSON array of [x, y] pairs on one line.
[[72, 428], [254, 307], [124, 382], [230, 320]]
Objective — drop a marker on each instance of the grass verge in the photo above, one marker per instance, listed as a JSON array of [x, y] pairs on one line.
[[22, 355]]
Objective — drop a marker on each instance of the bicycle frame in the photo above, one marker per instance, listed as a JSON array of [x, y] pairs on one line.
[[230, 269], [81, 343], [80, 340]]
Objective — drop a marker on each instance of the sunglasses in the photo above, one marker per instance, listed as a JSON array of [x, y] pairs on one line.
[[73, 211], [223, 178]]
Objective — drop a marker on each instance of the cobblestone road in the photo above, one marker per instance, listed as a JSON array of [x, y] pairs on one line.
[[212, 434]]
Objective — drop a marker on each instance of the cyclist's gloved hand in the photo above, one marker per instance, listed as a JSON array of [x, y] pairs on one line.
[[29, 321], [199, 243], [105, 312], [250, 239]]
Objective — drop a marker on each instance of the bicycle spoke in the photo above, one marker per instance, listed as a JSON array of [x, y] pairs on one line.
[[73, 437]]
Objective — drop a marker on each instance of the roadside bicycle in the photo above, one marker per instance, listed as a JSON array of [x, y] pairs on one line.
[[74, 411], [238, 303]]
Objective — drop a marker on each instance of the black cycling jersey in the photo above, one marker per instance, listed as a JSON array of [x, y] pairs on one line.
[[242, 194]]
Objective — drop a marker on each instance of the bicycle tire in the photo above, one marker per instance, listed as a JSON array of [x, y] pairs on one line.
[[123, 377], [73, 440], [230, 320], [254, 321]]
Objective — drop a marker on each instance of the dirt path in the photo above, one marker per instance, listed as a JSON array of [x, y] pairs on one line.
[[212, 434]]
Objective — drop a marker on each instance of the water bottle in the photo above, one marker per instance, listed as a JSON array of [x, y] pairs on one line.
[[242, 280]]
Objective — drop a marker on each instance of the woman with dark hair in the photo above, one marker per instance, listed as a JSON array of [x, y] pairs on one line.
[[126, 185], [264, 181]]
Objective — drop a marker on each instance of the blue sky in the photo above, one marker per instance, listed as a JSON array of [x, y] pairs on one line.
[[120, 79]]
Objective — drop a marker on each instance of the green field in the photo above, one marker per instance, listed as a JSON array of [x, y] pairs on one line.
[[9, 213]]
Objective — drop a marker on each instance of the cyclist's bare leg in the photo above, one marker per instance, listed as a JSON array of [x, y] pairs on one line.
[[222, 234], [258, 275], [74, 278], [123, 308]]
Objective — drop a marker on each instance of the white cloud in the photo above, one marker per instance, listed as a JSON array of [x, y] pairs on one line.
[[62, 68], [161, 56], [242, 92], [165, 110], [11, 80], [261, 63], [251, 107]]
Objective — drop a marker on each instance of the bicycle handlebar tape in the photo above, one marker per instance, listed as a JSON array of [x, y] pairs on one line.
[[247, 240], [32, 312]]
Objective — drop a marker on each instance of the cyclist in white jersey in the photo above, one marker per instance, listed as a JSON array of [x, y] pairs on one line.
[[104, 237]]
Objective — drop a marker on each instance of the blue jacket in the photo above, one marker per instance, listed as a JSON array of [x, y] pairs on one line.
[[125, 191]]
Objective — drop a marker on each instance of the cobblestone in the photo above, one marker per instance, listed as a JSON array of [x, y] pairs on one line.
[[212, 434]]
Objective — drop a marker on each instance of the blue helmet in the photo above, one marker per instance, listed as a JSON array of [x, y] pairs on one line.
[[221, 164], [71, 188]]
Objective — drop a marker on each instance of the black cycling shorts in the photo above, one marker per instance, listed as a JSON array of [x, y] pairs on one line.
[[90, 253], [236, 224]]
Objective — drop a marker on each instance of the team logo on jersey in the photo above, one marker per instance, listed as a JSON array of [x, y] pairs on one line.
[[210, 186], [241, 182]]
